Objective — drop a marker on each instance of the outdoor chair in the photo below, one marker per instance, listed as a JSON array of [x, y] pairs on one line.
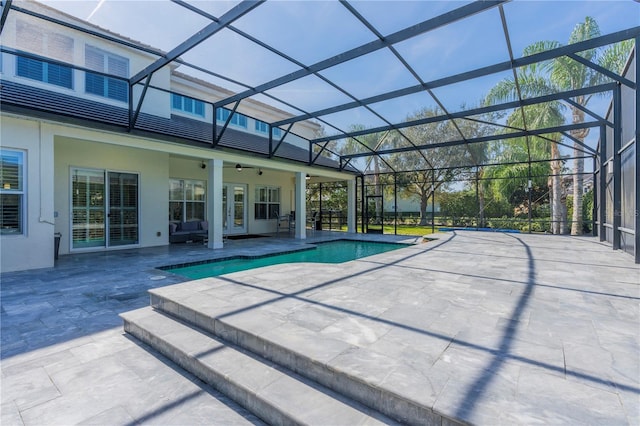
[[284, 221], [313, 222]]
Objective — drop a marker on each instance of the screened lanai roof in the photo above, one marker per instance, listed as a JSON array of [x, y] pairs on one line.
[[401, 81]]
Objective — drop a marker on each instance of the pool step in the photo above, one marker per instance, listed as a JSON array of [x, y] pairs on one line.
[[332, 363], [272, 393]]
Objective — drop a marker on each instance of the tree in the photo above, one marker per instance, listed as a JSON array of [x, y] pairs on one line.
[[565, 74], [368, 143], [479, 153], [426, 172], [533, 82], [459, 206]]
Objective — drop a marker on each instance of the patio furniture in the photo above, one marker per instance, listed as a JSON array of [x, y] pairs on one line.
[[313, 222], [285, 221], [194, 230]]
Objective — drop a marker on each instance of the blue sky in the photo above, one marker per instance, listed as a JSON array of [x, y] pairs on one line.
[[310, 31]]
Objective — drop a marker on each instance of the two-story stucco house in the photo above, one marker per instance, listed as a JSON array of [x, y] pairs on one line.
[[106, 164]]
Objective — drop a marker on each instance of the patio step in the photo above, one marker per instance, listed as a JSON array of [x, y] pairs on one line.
[[306, 355], [274, 394]]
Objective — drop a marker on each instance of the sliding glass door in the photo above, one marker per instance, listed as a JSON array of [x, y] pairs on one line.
[[104, 208], [123, 208]]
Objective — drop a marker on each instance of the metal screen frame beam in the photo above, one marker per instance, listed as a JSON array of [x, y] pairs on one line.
[[602, 206], [133, 115], [218, 136], [579, 142], [237, 12], [408, 67], [152, 51], [617, 166], [272, 50], [588, 111], [490, 138], [397, 37], [479, 72], [637, 143], [272, 152], [603, 70], [6, 5], [478, 111], [88, 31]]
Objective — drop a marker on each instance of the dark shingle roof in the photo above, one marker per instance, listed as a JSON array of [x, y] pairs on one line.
[[182, 129]]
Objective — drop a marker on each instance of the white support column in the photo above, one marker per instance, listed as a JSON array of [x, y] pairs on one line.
[[301, 205], [214, 204], [351, 205]]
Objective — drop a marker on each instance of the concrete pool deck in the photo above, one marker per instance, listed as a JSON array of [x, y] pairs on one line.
[[486, 328]]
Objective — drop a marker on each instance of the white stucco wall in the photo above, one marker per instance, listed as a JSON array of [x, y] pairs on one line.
[[156, 102], [152, 169], [35, 247]]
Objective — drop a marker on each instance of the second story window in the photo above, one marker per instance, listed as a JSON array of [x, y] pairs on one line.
[[37, 41], [237, 119], [262, 127], [188, 105], [101, 85]]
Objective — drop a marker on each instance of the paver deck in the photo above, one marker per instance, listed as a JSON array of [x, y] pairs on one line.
[[489, 328]]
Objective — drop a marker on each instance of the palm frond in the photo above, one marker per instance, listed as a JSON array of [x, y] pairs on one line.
[[615, 57]]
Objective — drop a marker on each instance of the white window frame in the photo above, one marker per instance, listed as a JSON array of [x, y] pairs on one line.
[[21, 191], [237, 119], [183, 199], [105, 69], [261, 127], [268, 202], [182, 108]]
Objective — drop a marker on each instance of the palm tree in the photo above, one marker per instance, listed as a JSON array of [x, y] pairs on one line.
[[563, 74], [532, 83], [568, 74], [517, 169]]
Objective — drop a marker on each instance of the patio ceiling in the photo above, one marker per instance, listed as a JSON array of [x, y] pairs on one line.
[[380, 77]]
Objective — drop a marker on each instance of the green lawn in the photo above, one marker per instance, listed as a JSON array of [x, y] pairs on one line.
[[403, 229], [409, 229]]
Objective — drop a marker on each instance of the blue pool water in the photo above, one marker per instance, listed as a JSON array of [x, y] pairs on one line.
[[330, 252]]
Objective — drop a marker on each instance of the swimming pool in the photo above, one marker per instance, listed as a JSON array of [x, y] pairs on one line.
[[329, 252]]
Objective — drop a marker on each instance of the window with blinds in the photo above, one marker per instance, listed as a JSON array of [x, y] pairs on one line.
[[262, 127], [237, 119], [12, 192], [187, 200], [267, 204], [123, 208], [101, 85], [187, 104], [38, 41]]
